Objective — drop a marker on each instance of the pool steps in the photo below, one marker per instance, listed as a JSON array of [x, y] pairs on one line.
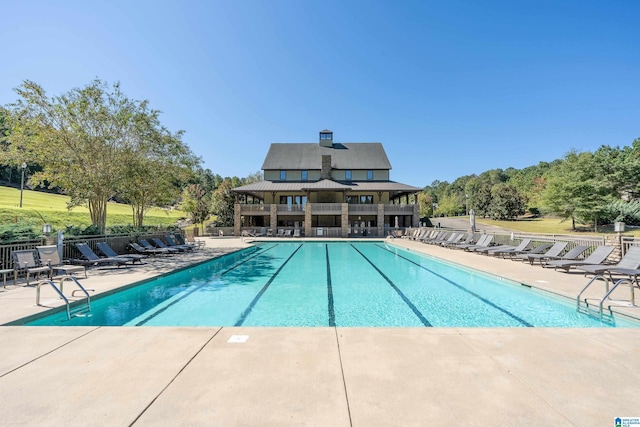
[[78, 309]]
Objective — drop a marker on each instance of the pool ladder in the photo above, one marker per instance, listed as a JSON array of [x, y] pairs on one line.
[[78, 308], [583, 305]]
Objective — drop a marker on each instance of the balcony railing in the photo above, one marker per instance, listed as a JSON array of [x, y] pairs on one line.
[[290, 208], [398, 209], [362, 209], [326, 208], [256, 209]]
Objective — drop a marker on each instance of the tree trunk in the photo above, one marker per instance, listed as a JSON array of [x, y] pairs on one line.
[[139, 219], [138, 209], [98, 212]]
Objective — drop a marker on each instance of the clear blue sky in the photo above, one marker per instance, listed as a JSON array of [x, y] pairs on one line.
[[450, 88]]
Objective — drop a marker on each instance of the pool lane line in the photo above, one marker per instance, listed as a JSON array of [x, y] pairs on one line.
[[406, 300], [247, 311], [332, 313], [191, 291], [255, 254], [462, 288]]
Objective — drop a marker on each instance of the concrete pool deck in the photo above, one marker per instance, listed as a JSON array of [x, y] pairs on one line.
[[315, 376]]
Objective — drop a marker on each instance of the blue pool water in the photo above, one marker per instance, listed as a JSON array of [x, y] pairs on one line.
[[329, 284]]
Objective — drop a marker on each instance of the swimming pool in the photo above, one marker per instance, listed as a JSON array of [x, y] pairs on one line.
[[369, 284]]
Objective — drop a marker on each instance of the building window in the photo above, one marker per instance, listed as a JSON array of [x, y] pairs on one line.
[[366, 200], [369, 175], [294, 200], [283, 175], [305, 175], [360, 200], [326, 135], [347, 175]]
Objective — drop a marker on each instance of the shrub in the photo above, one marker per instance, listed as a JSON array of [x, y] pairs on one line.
[[18, 231], [75, 230]]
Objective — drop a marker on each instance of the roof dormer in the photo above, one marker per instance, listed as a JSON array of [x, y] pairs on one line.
[[326, 138]]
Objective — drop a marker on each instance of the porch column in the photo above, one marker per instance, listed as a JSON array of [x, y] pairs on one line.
[[307, 219], [344, 223], [416, 215], [237, 214], [381, 219], [273, 222]]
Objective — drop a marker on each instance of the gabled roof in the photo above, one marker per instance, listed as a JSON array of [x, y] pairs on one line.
[[308, 156], [383, 186], [325, 185]]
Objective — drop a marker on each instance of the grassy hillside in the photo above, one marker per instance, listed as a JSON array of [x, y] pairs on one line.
[[39, 208], [550, 226]]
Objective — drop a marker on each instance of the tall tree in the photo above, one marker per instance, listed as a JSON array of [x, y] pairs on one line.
[[155, 169], [79, 138], [425, 202], [482, 200], [196, 202], [577, 190], [10, 155], [531, 181], [506, 202], [620, 168], [223, 203], [449, 204], [208, 180]]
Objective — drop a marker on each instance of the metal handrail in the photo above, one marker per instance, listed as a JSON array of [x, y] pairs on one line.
[[73, 293], [608, 292], [58, 291], [596, 277], [632, 282]]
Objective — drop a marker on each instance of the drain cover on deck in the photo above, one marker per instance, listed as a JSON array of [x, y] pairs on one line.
[[238, 338]]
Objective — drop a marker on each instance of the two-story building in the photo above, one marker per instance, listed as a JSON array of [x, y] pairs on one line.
[[326, 189]]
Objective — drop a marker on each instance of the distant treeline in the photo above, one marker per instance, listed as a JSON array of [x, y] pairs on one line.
[[585, 187]]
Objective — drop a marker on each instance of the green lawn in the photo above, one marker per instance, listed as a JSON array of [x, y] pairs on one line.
[[549, 226], [39, 208]]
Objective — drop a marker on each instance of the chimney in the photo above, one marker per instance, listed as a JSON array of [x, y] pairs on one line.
[[325, 172], [326, 138]]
